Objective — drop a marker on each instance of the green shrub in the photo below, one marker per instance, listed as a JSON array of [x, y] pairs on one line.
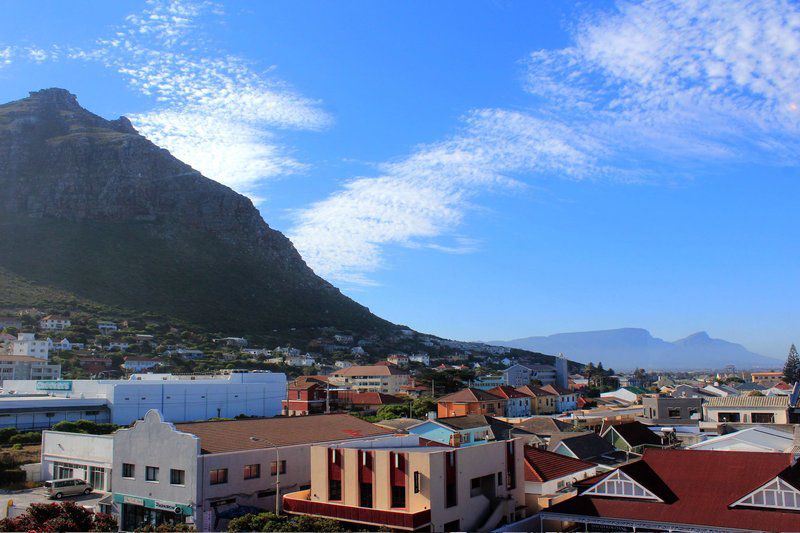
[[6, 434], [8, 477], [31, 437]]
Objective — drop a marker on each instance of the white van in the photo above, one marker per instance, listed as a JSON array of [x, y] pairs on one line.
[[58, 488]]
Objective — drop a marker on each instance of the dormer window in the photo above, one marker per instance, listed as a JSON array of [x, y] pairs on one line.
[[777, 494], [620, 485]]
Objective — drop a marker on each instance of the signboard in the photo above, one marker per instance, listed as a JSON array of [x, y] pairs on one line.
[[160, 505], [54, 384]]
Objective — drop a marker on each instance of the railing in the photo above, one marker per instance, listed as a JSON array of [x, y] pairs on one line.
[[298, 503]]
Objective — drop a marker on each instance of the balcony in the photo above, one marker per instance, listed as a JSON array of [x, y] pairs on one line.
[[299, 503]]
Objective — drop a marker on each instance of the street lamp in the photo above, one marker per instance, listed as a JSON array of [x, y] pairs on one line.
[[277, 472]]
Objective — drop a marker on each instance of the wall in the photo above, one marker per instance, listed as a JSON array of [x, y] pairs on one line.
[[78, 448]]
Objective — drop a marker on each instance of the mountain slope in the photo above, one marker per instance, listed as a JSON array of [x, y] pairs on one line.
[[91, 208], [634, 347]]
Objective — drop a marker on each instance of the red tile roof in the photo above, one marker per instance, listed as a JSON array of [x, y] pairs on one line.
[[469, 395], [558, 391], [505, 391], [373, 370], [368, 398], [534, 392], [697, 486], [222, 436], [541, 465]]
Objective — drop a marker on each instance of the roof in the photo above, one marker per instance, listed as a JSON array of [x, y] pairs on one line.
[[542, 425], [506, 391], [534, 392], [55, 317], [370, 398], [558, 391], [762, 438], [748, 401], [586, 446], [774, 373], [469, 395], [541, 465], [636, 390], [464, 422], [398, 424], [371, 370], [22, 358], [697, 488], [222, 436], [636, 434]]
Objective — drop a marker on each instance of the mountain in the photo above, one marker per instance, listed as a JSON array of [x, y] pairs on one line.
[[91, 211], [634, 347]]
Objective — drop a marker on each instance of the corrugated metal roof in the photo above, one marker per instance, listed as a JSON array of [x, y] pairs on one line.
[[749, 401]]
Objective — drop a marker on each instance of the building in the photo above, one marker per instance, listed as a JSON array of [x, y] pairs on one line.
[[596, 419], [589, 447], [765, 377], [387, 379], [719, 389], [545, 428], [488, 382], [105, 327], [70, 455], [139, 364], [421, 358], [307, 397], [205, 473], [754, 439], [27, 345], [404, 484], [549, 477], [518, 404], [520, 375], [299, 360], [54, 322], [470, 401], [626, 394], [542, 401], [399, 359], [565, 399], [746, 410], [632, 437], [366, 402], [664, 410], [14, 367], [455, 430], [686, 490], [40, 404]]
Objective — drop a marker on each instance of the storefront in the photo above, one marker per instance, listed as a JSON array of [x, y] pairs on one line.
[[98, 476], [136, 512]]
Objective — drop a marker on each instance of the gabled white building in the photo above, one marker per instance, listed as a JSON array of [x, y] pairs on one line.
[[54, 322]]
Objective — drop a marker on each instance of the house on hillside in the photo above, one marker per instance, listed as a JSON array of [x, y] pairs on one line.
[[387, 379], [517, 404], [566, 400], [54, 322], [542, 402]]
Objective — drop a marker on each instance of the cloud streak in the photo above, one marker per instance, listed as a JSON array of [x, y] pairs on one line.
[[647, 82], [213, 111]]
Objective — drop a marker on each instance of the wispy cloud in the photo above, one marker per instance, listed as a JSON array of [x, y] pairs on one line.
[[646, 84], [6, 53], [216, 112]]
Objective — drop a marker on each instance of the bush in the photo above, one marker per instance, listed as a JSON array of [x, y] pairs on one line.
[[30, 437], [10, 477], [273, 522], [6, 434], [65, 516], [165, 528], [85, 426]]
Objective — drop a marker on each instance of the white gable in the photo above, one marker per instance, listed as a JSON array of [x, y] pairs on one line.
[[777, 494], [620, 485]]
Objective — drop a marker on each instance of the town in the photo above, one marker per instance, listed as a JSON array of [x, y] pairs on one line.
[[339, 432]]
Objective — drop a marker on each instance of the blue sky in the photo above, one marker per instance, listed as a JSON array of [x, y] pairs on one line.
[[478, 170]]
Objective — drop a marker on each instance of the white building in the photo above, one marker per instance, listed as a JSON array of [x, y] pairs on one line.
[[342, 364], [54, 322], [106, 327], [27, 345], [26, 367], [300, 360], [179, 398], [88, 457], [422, 358], [138, 364], [343, 339], [64, 345]]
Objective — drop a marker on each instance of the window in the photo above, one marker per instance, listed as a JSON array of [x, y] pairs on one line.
[[398, 496], [674, 412], [335, 489], [763, 418], [365, 494], [128, 470], [729, 417], [177, 477], [252, 471], [499, 479], [218, 476], [273, 468], [151, 473], [475, 487]]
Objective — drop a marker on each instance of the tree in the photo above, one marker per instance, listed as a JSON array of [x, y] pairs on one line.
[[422, 406], [273, 522], [64, 516], [791, 370]]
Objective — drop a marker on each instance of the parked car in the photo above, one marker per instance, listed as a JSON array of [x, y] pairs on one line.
[[58, 488]]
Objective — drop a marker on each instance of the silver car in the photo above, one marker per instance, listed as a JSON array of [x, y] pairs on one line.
[[58, 488]]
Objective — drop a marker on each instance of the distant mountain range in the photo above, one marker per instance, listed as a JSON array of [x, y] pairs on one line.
[[629, 348]]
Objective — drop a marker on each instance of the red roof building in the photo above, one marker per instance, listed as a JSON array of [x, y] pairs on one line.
[[678, 489]]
